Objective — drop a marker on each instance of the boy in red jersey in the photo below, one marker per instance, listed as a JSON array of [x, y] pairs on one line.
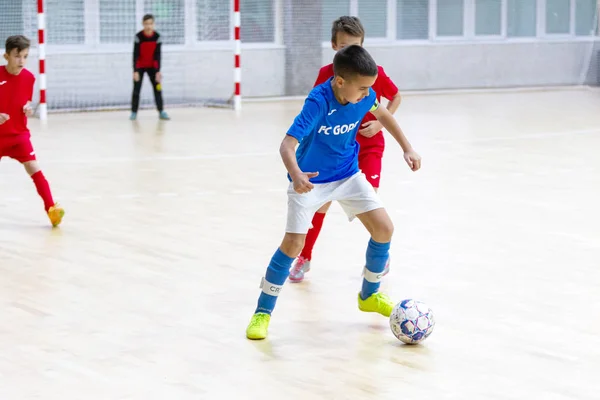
[[146, 59], [16, 93], [347, 31]]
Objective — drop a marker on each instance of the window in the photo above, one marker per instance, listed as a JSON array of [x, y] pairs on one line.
[[521, 18], [11, 19], [118, 21], [450, 17], [213, 20], [170, 19], [412, 19], [332, 10], [586, 15], [30, 20], [258, 21], [373, 15], [558, 16], [488, 17], [65, 21]]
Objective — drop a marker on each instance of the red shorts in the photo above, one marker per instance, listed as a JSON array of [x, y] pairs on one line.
[[370, 165], [17, 147]]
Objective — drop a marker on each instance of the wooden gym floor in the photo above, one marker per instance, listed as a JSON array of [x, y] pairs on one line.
[[146, 289]]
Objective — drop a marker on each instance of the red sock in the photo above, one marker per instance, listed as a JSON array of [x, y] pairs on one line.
[[43, 189], [312, 235]]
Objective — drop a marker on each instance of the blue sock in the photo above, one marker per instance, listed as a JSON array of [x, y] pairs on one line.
[[377, 257], [277, 272]]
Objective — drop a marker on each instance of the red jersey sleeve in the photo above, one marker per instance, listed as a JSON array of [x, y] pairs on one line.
[[325, 73], [388, 88]]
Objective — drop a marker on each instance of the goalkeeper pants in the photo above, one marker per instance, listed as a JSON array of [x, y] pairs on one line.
[[137, 87]]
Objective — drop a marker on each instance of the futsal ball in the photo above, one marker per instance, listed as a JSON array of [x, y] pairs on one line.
[[412, 321]]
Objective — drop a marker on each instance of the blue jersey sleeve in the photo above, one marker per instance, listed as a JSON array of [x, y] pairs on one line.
[[306, 121], [372, 100]]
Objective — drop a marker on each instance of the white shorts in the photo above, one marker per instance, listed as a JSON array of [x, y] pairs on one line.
[[355, 194]]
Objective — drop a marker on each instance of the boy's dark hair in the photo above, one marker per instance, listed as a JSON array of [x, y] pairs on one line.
[[354, 60], [147, 17], [18, 42], [349, 25]]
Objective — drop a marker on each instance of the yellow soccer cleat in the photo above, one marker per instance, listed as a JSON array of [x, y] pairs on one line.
[[377, 302], [56, 214], [258, 327]]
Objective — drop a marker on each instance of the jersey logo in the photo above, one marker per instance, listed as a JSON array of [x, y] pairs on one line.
[[338, 129], [332, 111], [375, 106], [2, 83]]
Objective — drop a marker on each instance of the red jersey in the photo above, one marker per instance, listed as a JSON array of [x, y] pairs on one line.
[[146, 51], [15, 92], [383, 86]]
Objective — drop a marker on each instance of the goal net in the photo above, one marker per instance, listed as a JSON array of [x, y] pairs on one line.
[[89, 50]]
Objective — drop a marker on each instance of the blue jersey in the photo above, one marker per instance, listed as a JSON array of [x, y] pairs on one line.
[[327, 131]]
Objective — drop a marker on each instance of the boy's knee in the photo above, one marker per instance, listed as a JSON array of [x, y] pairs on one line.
[[383, 232], [31, 167], [292, 244]]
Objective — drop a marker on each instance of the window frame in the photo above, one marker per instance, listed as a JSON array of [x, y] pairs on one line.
[[596, 19], [468, 23], [543, 30], [430, 28], [92, 44], [469, 35], [503, 22], [354, 11], [88, 24]]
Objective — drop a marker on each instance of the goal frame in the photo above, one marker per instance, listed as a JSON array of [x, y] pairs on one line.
[[237, 71]]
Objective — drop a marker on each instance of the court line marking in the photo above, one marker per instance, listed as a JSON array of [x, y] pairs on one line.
[[133, 196], [116, 160], [541, 135]]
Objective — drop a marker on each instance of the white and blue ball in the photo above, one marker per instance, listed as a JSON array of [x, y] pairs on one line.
[[412, 321]]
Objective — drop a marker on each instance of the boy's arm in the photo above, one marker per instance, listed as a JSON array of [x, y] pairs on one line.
[[287, 150], [372, 128], [158, 52], [389, 122], [394, 103], [303, 125], [136, 52], [390, 92], [27, 109], [300, 179]]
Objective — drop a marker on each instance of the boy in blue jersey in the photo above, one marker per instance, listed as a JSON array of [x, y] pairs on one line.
[[325, 168]]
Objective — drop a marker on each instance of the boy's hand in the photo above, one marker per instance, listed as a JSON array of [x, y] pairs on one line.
[[28, 110], [302, 183], [370, 128], [136, 76], [158, 77], [413, 160], [4, 118]]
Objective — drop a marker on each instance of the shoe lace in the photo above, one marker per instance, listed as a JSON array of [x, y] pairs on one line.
[[384, 299], [299, 264], [258, 319]]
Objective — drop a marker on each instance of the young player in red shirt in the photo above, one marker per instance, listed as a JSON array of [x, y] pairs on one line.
[[16, 93], [146, 59], [347, 31]]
